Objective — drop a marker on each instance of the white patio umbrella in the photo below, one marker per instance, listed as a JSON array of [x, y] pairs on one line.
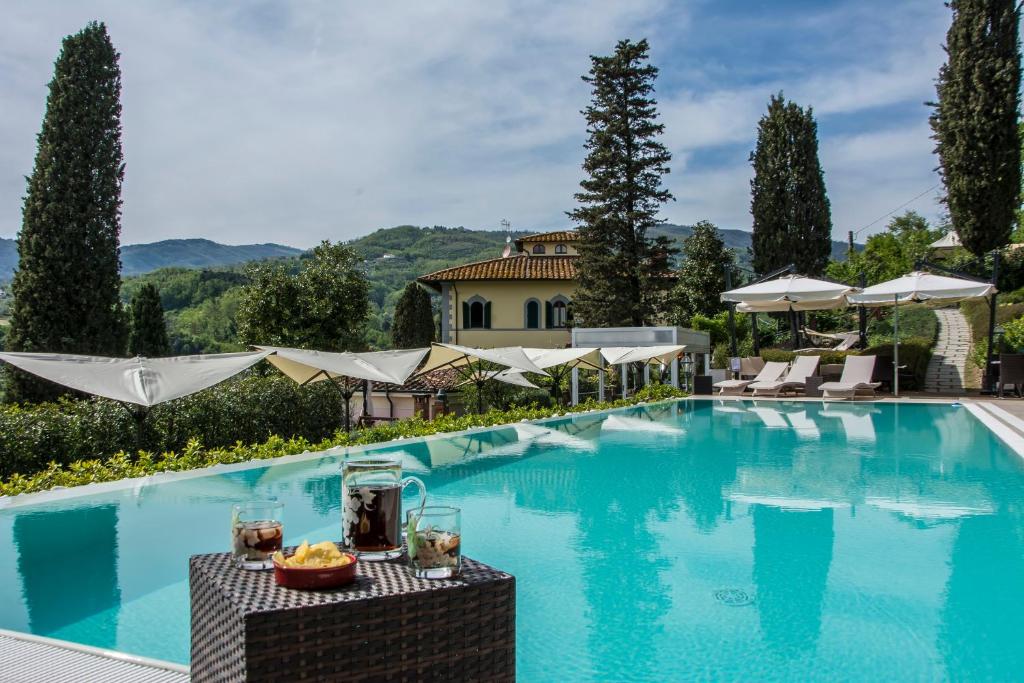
[[918, 287], [789, 293], [651, 355], [559, 362], [470, 363], [512, 377], [346, 370]]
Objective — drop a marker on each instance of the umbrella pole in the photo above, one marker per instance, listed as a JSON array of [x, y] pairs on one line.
[[753, 334], [896, 346]]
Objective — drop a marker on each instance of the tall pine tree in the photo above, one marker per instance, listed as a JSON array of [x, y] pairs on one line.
[[975, 121], [148, 336], [413, 327], [791, 211], [66, 286], [702, 274], [623, 275]]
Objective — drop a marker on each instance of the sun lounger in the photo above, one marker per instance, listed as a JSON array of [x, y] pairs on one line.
[[803, 367], [771, 372], [856, 377], [751, 366]]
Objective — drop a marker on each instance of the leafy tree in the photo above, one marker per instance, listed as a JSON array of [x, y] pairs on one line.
[[66, 287], [324, 306], [622, 273], [702, 274], [888, 254], [975, 121], [792, 215], [148, 336], [414, 319]]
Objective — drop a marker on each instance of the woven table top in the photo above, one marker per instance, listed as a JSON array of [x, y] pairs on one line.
[[255, 591]]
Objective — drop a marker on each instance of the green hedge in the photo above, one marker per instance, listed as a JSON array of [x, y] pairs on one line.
[[248, 410], [194, 455], [827, 357]]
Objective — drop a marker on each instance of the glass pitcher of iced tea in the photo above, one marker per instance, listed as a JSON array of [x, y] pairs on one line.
[[371, 507]]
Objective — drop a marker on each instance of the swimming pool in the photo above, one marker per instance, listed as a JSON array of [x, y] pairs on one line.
[[696, 539]]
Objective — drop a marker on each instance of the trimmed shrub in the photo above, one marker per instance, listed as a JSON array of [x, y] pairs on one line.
[[827, 357], [194, 455], [244, 410]]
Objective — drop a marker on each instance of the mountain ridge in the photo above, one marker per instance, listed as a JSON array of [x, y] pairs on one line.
[[436, 244]]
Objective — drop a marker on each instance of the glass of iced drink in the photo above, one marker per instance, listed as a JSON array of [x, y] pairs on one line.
[[435, 541], [256, 533]]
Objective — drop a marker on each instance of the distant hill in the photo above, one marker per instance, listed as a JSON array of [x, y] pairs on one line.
[[196, 253], [187, 253]]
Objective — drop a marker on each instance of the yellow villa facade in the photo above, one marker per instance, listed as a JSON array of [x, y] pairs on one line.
[[521, 299]]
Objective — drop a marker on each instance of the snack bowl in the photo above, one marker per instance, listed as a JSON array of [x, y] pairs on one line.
[[315, 578]]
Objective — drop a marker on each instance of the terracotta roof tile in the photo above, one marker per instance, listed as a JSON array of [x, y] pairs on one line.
[[556, 236], [518, 267]]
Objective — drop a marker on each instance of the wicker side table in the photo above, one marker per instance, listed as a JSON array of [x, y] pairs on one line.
[[387, 626]]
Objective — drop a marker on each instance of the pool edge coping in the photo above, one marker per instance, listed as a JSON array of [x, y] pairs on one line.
[[118, 655], [66, 493]]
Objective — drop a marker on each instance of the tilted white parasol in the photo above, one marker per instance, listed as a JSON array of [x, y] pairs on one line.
[[345, 369], [918, 287], [558, 363], [472, 363], [140, 381]]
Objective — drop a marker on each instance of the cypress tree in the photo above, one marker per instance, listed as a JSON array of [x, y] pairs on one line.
[[975, 121], [702, 274], [66, 286], [789, 204], [623, 275], [413, 327], [148, 335]]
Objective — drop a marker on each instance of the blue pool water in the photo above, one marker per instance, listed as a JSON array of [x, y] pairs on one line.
[[768, 541]]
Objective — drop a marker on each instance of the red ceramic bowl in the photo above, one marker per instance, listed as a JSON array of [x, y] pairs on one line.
[[313, 578]]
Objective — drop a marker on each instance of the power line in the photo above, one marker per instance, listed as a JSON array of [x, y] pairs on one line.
[[909, 201]]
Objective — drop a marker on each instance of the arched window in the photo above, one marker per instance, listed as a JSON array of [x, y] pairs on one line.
[[560, 314], [476, 314], [557, 310], [532, 314], [538, 249], [560, 249]]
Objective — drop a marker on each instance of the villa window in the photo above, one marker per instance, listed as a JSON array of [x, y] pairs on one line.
[[476, 314], [539, 249], [532, 314], [561, 249], [557, 311]]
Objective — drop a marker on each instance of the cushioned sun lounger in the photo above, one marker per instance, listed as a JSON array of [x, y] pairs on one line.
[[803, 367], [856, 377], [771, 372]]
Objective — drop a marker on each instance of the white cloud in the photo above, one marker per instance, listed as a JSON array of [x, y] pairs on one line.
[[296, 122]]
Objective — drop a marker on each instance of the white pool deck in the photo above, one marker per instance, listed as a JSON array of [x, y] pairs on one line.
[[29, 658], [26, 658]]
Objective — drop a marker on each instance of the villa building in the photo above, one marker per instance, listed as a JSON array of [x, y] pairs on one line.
[[523, 298]]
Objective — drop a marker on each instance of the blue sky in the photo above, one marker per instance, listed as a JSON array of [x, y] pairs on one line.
[[296, 122]]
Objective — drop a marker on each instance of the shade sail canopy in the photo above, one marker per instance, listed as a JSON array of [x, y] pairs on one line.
[[304, 366], [789, 292], [918, 287], [617, 355], [507, 376], [140, 381], [455, 356], [549, 358]]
